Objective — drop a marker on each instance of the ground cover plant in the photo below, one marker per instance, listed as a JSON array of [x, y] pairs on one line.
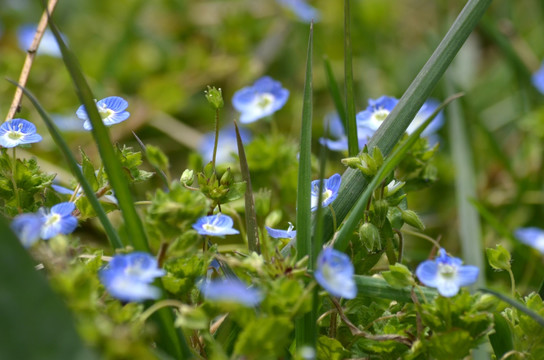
[[283, 179]]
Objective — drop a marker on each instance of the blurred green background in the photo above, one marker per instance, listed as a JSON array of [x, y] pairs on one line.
[[161, 55]]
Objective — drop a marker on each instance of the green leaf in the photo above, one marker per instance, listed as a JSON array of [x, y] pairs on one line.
[[524, 309], [261, 338], [330, 349], [501, 340], [31, 308], [88, 170], [398, 276], [498, 258]]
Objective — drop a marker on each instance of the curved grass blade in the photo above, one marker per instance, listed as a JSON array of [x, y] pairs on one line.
[[116, 176], [379, 288], [251, 215], [532, 314], [334, 90], [305, 327], [353, 140], [113, 237], [31, 309], [388, 166]]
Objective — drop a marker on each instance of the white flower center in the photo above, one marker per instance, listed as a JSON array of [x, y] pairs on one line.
[[15, 135], [265, 100], [380, 114], [52, 219], [447, 271], [210, 228], [105, 112]]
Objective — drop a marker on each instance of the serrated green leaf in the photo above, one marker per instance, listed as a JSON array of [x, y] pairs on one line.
[[330, 349], [398, 276], [88, 170]]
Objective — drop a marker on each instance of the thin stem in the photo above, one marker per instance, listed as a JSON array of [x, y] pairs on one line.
[[74, 194], [29, 60], [14, 181], [216, 140], [401, 245], [159, 305], [512, 282], [422, 236]]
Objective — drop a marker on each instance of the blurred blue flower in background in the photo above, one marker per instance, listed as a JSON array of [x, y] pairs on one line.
[[215, 225], [18, 131], [446, 274], [335, 273], [423, 114], [226, 145], [538, 79], [339, 141], [111, 110], [376, 112], [330, 191], [230, 290], [262, 99], [531, 236], [128, 277], [281, 234], [304, 11], [28, 228], [58, 220], [48, 44]]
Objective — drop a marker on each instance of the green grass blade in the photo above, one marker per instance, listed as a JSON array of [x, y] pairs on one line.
[[305, 327], [389, 165], [353, 141], [353, 183], [470, 231], [31, 310], [133, 224], [501, 340], [379, 288], [159, 171], [251, 216], [532, 314], [113, 237], [334, 90]]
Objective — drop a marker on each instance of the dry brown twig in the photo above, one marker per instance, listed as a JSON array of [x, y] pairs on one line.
[[29, 60]]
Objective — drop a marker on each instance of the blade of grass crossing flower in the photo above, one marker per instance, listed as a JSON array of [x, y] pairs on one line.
[[465, 188], [251, 215], [388, 166], [334, 90], [171, 339], [379, 288], [305, 327], [113, 237], [116, 176], [30, 307], [532, 314], [353, 141], [353, 183]]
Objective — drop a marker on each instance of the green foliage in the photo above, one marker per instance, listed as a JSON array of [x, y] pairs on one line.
[[398, 276], [499, 258], [260, 339], [157, 158], [130, 162], [182, 274]]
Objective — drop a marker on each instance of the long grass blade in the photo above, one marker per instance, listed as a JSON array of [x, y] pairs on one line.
[[334, 90], [353, 141], [379, 288], [470, 231], [391, 162], [251, 216], [116, 176], [305, 327], [532, 314], [113, 237]]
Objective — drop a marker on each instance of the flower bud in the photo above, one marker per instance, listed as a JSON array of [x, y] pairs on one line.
[[187, 177], [411, 218], [227, 178], [381, 207], [370, 236], [352, 162], [368, 165], [214, 97]]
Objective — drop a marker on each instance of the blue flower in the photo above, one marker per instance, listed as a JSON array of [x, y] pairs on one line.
[[340, 139], [531, 236], [48, 44], [538, 79], [230, 290], [28, 228], [18, 131], [335, 273], [215, 225], [376, 112], [263, 98], [111, 110], [58, 220], [301, 9], [226, 145], [330, 191], [423, 114], [446, 274], [128, 277], [282, 234]]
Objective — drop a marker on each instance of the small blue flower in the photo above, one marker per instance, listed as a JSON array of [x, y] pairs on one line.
[[531, 236], [18, 131], [215, 225], [446, 274], [48, 44], [226, 145], [376, 112], [330, 191], [128, 277], [538, 79], [111, 110], [305, 12], [230, 290], [28, 228], [263, 98], [423, 114], [282, 234], [335, 273], [340, 139], [58, 220]]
